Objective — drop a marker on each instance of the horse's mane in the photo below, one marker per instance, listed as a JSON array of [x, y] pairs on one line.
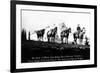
[[66, 30]]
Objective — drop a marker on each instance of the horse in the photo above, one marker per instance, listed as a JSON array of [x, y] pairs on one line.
[[65, 34], [79, 36], [51, 35], [40, 34]]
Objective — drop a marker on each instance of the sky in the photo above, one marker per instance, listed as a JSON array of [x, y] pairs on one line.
[[35, 20]]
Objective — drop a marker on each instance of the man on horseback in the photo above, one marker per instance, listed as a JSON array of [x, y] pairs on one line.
[[79, 34]]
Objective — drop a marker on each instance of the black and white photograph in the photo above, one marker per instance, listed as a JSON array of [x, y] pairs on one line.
[[54, 35]]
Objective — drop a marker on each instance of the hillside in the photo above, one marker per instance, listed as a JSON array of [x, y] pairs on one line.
[[35, 51]]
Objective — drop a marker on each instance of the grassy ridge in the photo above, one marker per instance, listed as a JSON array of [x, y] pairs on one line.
[[33, 49]]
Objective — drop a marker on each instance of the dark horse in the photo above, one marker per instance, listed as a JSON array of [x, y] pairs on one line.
[[40, 34], [51, 35], [65, 34]]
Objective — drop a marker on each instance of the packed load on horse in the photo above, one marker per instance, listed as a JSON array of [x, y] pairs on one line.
[[79, 35]]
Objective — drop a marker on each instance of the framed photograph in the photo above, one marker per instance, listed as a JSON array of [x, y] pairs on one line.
[[51, 36]]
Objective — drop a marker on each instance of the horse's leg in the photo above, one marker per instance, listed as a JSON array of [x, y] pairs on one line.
[[75, 40], [81, 40], [67, 40], [51, 39], [61, 39], [48, 39], [54, 39], [38, 38], [42, 38]]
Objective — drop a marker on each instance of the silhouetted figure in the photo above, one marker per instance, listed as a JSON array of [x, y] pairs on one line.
[[23, 35], [65, 34], [51, 35]]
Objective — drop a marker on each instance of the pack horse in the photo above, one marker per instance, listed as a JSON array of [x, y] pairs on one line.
[[51, 34], [65, 34]]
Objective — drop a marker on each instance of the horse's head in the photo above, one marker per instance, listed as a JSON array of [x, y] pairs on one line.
[[55, 29], [83, 30]]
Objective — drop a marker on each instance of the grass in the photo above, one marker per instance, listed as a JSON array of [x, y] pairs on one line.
[[37, 51]]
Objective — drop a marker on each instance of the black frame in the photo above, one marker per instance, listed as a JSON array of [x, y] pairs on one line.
[[13, 35]]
